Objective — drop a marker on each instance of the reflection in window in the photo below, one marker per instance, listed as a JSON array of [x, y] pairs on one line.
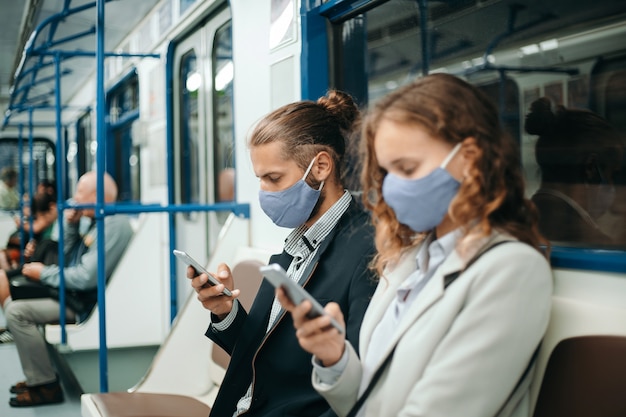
[[516, 53], [223, 134], [579, 154], [190, 83]]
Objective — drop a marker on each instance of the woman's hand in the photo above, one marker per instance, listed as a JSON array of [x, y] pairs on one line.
[[316, 336], [210, 296]]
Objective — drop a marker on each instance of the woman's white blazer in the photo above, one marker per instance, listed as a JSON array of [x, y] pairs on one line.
[[462, 350]]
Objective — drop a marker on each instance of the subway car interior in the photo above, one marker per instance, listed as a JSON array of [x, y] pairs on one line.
[[162, 95]]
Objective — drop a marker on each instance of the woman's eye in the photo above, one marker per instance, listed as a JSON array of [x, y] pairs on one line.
[[407, 170]]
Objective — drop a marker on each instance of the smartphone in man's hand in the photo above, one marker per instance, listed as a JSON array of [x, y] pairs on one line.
[[188, 260]]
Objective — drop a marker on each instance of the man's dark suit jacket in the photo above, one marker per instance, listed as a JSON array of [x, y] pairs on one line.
[[276, 364]]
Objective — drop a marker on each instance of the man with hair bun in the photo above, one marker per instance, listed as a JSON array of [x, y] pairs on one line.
[[297, 153]]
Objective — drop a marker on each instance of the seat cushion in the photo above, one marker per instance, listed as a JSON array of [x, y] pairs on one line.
[[124, 404]]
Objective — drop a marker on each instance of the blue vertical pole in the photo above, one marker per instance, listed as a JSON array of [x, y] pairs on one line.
[[171, 216], [20, 184], [31, 175], [100, 155], [59, 142]]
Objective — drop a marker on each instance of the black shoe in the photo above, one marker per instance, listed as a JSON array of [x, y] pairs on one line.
[[39, 395]]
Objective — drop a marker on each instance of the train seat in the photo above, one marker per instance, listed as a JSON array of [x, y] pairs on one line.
[[581, 366], [585, 376], [147, 327], [183, 378]]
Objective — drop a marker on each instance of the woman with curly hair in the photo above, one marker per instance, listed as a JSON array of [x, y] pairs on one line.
[[464, 295]]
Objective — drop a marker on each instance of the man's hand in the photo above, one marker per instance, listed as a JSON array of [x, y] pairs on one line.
[[32, 270], [73, 215], [211, 297]]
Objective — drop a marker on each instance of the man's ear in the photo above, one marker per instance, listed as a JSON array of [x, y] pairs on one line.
[[590, 167], [322, 167], [470, 152]]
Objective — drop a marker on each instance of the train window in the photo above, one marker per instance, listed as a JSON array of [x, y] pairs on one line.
[[608, 85], [122, 155], [223, 126], [184, 5], [42, 161], [190, 82], [517, 53], [80, 153], [86, 147]]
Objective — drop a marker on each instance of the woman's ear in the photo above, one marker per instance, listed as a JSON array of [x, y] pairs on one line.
[[470, 152]]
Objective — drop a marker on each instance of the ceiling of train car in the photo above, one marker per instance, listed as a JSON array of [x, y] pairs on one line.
[[452, 35], [18, 19], [452, 24]]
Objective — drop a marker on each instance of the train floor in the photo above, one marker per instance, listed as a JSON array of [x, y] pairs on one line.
[[79, 373]]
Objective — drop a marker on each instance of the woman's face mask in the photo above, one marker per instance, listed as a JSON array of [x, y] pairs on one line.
[[422, 203], [293, 206]]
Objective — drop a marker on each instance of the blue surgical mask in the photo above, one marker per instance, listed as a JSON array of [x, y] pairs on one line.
[[293, 206], [422, 203], [600, 199], [600, 196]]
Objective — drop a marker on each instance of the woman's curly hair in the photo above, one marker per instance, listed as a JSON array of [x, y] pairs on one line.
[[491, 196]]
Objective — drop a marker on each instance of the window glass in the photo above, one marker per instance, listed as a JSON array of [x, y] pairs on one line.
[[184, 5], [190, 85], [43, 162], [518, 53], [122, 153], [224, 136]]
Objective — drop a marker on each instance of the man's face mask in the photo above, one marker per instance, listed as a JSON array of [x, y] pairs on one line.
[[293, 206]]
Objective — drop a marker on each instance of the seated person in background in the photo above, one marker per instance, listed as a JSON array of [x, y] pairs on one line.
[[226, 185], [43, 207], [456, 317], [9, 197], [44, 211], [297, 152], [24, 315], [579, 154]]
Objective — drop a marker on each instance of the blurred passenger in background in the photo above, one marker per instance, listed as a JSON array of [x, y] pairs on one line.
[[34, 302], [580, 156], [43, 208], [9, 197], [297, 153]]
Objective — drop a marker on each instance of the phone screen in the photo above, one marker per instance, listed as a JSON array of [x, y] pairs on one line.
[[188, 260]]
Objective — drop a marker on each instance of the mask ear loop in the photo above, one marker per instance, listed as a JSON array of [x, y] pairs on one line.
[[451, 155], [306, 173]]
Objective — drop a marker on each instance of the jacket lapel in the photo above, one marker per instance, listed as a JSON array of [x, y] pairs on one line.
[[310, 269], [430, 295]]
